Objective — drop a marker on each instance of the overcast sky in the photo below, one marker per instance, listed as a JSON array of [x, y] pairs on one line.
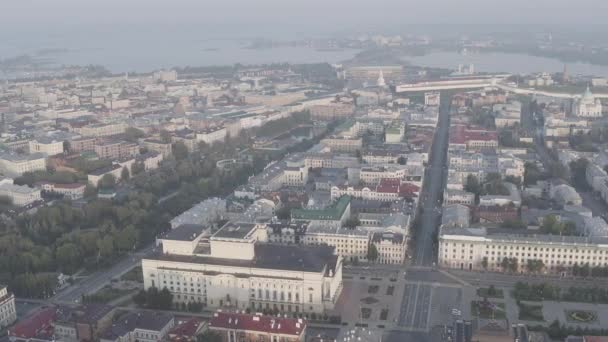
[[293, 15]]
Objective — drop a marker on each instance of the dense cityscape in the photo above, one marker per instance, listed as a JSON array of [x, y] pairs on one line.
[[393, 187]]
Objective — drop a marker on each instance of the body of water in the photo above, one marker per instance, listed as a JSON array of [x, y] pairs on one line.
[[147, 53], [505, 62]]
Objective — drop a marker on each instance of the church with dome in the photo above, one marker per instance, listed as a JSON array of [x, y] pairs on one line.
[[587, 106]]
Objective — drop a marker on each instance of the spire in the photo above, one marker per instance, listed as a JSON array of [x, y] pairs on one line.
[[381, 82]]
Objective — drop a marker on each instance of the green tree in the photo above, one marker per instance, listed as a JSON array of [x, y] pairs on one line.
[[531, 174], [108, 181], [372, 253], [209, 336], [484, 263], [180, 151], [578, 169], [133, 134], [472, 185], [124, 174], [535, 265], [138, 167], [68, 257]]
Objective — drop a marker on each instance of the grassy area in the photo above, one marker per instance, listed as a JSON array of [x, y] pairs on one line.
[[486, 292], [106, 295], [135, 274], [529, 312], [488, 310]]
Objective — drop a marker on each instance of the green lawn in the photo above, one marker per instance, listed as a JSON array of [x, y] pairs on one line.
[[489, 310], [528, 312], [135, 274], [107, 294], [485, 292]]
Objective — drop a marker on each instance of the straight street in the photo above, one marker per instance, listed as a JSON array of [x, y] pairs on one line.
[[432, 190], [101, 278]]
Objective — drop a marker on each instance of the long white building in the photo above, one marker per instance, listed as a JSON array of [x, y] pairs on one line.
[[236, 269], [471, 248]]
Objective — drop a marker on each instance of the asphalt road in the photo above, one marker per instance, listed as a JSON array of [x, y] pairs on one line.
[[99, 279], [432, 191]]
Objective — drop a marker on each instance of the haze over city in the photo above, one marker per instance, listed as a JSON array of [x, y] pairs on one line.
[[303, 171]]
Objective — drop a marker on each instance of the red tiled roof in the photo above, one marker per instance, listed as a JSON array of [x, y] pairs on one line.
[[33, 325], [460, 134], [267, 324], [409, 188], [186, 328], [388, 185]]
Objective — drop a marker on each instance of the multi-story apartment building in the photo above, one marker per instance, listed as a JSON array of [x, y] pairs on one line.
[[236, 268], [8, 313], [101, 129], [212, 135], [480, 248], [470, 138], [45, 145], [343, 144], [95, 176], [158, 146], [373, 175], [83, 144], [14, 165], [391, 247], [455, 196], [20, 195], [330, 161], [350, 244], [115, 150]]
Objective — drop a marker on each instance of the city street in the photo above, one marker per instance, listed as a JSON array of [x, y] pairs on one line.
[[432, 190], [99, 279]]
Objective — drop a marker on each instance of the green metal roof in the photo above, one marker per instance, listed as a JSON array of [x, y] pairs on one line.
[[332, 213]]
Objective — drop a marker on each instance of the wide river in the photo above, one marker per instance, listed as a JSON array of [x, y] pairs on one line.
[[505, 62]]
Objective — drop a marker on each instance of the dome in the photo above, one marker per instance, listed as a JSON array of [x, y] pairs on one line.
[[588, 95]]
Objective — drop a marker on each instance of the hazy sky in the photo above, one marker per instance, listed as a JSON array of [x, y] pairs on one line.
[[46, 16]]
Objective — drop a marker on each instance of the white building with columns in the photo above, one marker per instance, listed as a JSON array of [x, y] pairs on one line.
[[236, 269]]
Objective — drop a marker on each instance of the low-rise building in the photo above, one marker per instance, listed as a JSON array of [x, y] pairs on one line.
[[246, 327], [333, 216], [71, 191], [141, 326], [82, 323]]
